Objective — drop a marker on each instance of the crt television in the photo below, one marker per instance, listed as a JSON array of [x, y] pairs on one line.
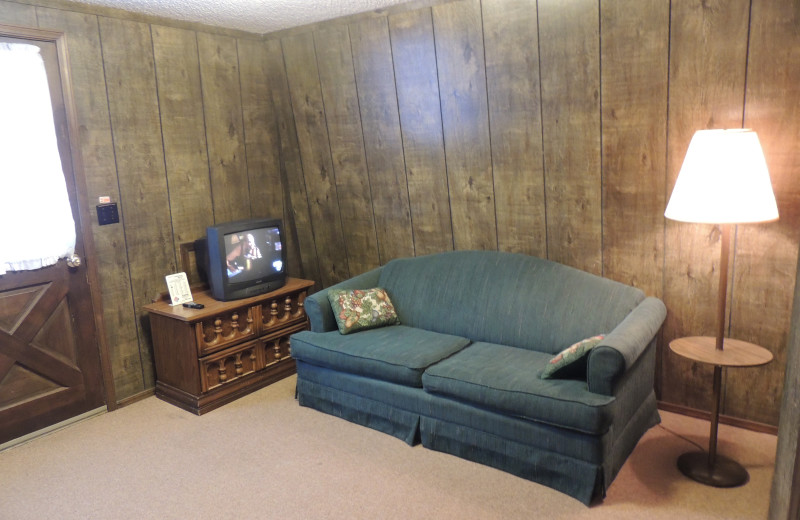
[[243, 258]]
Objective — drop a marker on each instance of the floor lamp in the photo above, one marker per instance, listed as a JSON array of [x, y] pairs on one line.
[[723, 180]]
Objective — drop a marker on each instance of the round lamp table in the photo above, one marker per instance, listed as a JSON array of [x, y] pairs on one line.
[[712, 469]]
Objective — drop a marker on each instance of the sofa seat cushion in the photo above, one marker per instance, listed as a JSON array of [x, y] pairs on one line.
[[507, 380], [398, 354]]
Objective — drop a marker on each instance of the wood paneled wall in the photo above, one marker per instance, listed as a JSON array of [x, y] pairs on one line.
[[551, 127], [557, 128]]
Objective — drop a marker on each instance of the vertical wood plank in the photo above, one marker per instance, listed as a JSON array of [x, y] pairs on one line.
[[377, 95], [100, 174], [765, 253], [262, 142], [17, 14], [706, 88], [262, 146], [133, 103], [512, 71], [303, 254], [634, 54], [260, 131], [465, 118], [312, 136], [418, 102], [338, 83], [180, 99], [222, 104], [569, 44]]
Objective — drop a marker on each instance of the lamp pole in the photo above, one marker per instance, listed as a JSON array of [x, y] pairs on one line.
[[722, 300], [722, 297]]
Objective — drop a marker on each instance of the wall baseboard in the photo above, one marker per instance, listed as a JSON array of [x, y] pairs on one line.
[[723, 419], [136, 397]]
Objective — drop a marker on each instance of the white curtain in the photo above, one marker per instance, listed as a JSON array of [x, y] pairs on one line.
[[36, 225]]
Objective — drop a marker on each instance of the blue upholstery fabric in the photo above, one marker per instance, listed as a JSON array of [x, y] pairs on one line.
[[579, 479], [403, 406], [372, 413], [624, 345], [505, 298], [397, 353], [645, 416], [567, 442], [507, 379], [634, 410]]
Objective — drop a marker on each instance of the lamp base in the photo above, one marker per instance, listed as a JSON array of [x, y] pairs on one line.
[[725, 472]]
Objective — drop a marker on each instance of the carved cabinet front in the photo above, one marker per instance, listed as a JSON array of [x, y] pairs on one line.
[[207, 357]]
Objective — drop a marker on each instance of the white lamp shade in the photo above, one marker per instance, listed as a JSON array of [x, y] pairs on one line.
[[723, 180]]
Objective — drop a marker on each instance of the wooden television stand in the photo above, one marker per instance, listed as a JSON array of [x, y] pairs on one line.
[[208, 357]]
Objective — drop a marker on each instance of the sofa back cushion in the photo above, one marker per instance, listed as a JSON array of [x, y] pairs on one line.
[[506, 298]]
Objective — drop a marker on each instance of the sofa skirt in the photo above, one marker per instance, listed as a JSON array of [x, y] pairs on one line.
[[360, 410], [578, 479], [570, 462]]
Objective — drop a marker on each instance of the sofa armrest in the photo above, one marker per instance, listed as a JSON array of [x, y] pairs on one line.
[[318, 308], [622, 347]]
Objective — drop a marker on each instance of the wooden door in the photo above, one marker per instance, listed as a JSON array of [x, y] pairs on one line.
[[50, 364]]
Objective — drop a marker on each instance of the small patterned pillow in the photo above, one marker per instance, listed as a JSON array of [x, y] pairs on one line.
[[571, 362], [359, 309]]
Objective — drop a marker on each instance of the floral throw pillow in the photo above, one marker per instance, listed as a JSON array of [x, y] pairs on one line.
[[571, 362], [362, 309]]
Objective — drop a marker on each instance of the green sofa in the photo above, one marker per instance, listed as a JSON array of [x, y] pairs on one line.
[[461, 373]]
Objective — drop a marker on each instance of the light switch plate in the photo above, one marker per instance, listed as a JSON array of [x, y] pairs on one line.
[[107, 214]]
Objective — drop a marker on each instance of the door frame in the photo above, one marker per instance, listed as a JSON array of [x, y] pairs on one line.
[[84, 217]]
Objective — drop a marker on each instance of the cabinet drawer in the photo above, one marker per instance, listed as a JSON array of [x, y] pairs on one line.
[[279, 313], [225, 329], [275, 347], [229, 365]]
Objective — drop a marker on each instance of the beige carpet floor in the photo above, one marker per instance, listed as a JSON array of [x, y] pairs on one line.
[[264, 456]]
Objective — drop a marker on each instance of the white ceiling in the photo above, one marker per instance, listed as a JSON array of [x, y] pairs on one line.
[[258, 16]]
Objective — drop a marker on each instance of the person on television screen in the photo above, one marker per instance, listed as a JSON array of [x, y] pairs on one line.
[[233, 251], [251, 250], [242, 254]]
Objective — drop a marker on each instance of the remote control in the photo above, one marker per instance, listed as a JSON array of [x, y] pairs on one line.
[[193, 305]]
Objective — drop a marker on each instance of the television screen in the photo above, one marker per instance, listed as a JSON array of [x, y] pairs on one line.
[[252, 254]]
